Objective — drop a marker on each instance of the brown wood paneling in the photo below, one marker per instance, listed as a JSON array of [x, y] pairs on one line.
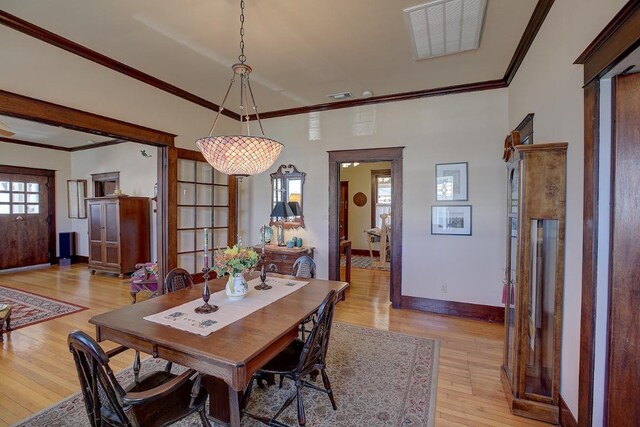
[[614, 42], [23, 107], [622, 380], [535, 22], [46, 36], [589, 250], [98, 145], [454, 308], [394, 155]]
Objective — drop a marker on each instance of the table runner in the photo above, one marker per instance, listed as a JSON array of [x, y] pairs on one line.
[[185, 318]]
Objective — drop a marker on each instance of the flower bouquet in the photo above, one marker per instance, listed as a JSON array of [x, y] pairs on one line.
[[235, 261]]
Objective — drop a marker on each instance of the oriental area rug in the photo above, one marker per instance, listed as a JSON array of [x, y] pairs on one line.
[[28, 308], [379, 378]]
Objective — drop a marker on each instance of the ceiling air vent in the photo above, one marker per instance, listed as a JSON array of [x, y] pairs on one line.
[[443, 27], [340, 96]]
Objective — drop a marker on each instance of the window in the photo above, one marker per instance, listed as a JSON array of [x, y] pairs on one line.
[[380, 195], [19, 197], [203, 202]]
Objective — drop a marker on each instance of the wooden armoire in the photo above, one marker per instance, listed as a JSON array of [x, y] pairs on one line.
[[118, 233]]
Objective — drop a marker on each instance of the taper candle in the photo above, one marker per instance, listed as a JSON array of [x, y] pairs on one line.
[[206, 248]]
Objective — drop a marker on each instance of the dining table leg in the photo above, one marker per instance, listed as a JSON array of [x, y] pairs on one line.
[[224, 401]]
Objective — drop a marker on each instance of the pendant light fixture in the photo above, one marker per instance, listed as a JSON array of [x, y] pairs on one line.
[[240, 155]]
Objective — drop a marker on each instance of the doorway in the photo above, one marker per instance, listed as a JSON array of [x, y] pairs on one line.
[[336, 159], [27, 216]]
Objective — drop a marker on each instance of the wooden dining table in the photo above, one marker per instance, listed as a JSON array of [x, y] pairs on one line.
[[228, 357]]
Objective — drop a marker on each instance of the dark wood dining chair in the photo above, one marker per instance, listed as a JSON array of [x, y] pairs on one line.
[[305, 267], [299, 361], [176, 279], [158, 399]]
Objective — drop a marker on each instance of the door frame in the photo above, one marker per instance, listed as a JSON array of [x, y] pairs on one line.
[[619, 38], [393, 155], [345, 185], [23, 107], [51, 200]]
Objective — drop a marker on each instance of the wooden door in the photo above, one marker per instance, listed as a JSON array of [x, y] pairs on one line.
[[623, 363], [344, 210], [95, 233], [111, 230], [26, 217]]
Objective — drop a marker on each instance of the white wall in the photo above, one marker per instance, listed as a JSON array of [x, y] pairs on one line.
[[138, 176], [550, 86], [359, 178], [42, 158], [458, 128]]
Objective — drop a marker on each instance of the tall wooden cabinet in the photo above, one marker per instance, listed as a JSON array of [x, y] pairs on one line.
[[118, 233], [534, 279]]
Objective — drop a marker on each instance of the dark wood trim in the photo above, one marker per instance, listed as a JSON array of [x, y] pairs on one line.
[[619, 38], [589, 250], [424, 93], [183, 153], [394, 155], [566, 417], [172, 209], [79, 259], [26, 171], [51, 200], [614, 42], [23, 107], [487, 313], [233, 210], [98, 145], [535, 22], [34, 144], [46, 36], [364, 252], [525, 128]]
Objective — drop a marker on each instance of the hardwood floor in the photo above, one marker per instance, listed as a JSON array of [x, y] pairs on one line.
[[36, 369]]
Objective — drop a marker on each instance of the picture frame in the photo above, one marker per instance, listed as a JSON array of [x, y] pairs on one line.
[[452, 182], [452, 220]]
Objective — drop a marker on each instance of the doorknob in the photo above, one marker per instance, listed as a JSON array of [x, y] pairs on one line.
[[19, 218]]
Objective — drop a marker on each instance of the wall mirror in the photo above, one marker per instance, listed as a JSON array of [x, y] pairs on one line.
[[287, 185], [76, 193]]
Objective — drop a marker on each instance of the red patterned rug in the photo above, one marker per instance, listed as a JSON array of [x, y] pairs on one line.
[[29, 309]]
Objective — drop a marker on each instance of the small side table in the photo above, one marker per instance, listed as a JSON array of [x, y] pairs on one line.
[[5, 317], [346, 246]]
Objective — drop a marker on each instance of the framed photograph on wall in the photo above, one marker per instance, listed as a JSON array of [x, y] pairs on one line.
[[452, 220], [451, 182]]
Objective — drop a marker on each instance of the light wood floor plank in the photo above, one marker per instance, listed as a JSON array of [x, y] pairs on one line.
[[36, 369]]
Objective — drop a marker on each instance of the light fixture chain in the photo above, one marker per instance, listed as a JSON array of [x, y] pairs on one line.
[[242, 58]]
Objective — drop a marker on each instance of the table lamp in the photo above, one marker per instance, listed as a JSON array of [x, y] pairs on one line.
[[295, 208], [280, 211]]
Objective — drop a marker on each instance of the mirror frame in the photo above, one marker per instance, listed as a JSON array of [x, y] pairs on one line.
[[286, 173]]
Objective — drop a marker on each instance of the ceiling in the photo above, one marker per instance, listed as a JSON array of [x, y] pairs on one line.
[[300, 50], [29, 132]]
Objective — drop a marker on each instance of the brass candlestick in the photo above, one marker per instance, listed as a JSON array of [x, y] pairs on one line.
[[206, 294]]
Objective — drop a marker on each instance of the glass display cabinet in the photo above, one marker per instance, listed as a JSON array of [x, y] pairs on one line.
[[534, 279]]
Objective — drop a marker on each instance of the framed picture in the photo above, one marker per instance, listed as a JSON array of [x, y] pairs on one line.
[[453, 220], [76, 193], [451, 181]]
